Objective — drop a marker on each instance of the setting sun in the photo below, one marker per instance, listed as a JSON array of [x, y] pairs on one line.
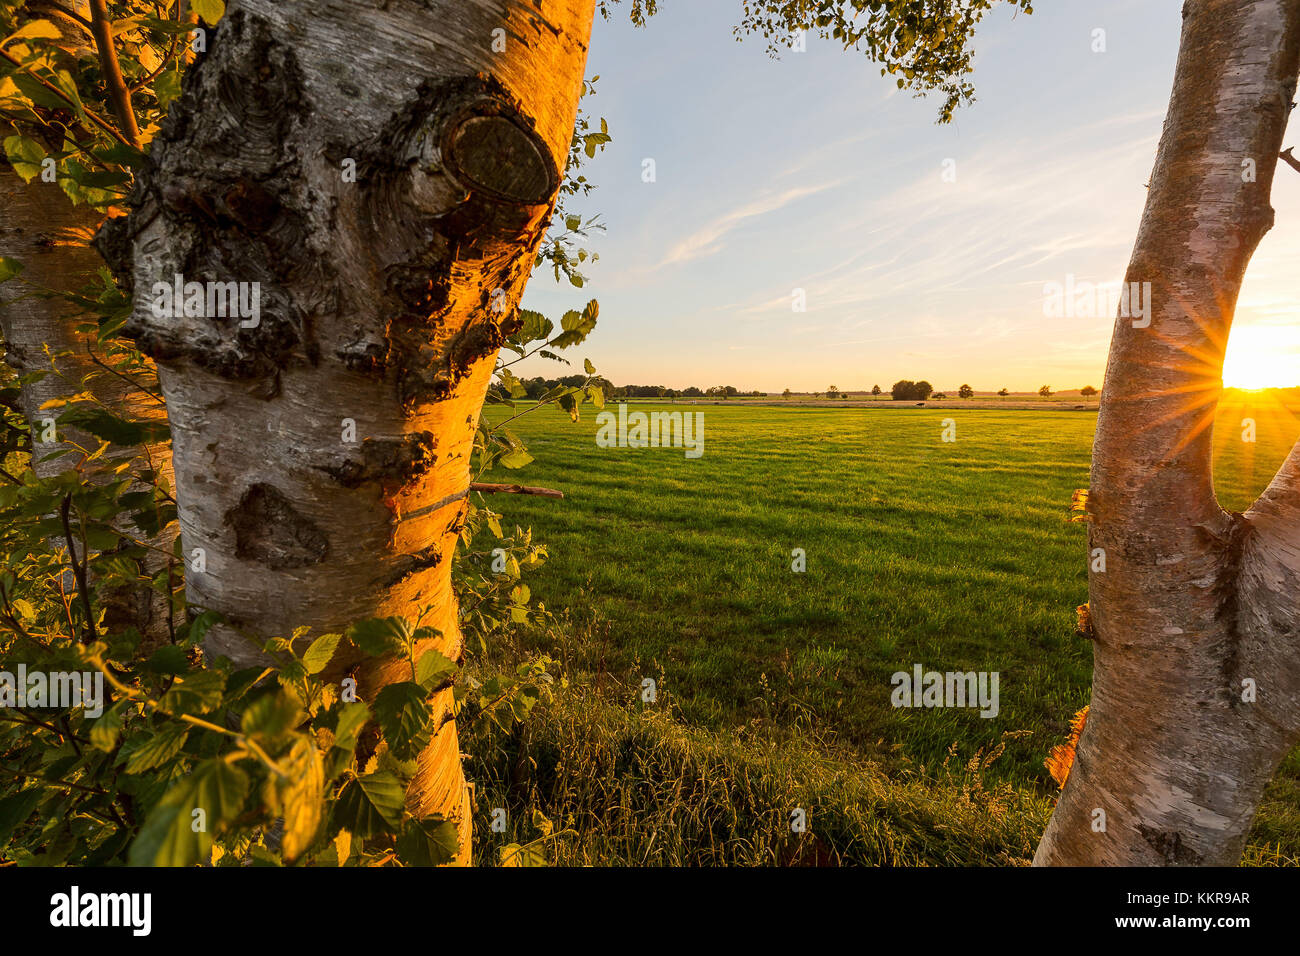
[[1262, 357]]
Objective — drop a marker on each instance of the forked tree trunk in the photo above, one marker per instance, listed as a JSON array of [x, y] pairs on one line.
[[1195, 603], [381, 171]]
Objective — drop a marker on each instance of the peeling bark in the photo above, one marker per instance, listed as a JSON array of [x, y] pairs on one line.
[[375, 302], [1194, 600]]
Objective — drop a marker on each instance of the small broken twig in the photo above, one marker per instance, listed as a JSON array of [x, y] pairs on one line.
[[490, 489]]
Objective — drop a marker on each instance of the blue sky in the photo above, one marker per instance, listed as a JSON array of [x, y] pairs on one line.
[[814, 172]]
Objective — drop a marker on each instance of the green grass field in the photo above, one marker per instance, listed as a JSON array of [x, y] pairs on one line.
[[953, 555]]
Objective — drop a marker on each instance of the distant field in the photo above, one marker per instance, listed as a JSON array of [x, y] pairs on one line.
[[955, 556]]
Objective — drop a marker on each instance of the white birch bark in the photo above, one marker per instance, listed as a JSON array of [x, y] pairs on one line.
[[376, 294], [1194, 600]]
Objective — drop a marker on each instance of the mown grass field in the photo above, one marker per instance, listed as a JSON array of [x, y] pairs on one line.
[[953, 555]]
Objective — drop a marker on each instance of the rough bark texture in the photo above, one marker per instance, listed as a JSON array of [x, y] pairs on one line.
[[1194, 600], [375, 302]]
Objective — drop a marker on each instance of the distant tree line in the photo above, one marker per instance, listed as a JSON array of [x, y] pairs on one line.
[[905, 390], [660, 391], [538, 386]]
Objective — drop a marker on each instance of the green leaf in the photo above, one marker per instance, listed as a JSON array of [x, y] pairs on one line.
[[534, 854], [174, 834], [167, 87], [432, 841], [102, 423], [105, 731], [210, 10], [515, 458], [25, 156], [352, 717], [271, 715], [371, 804], [155, 750], [35, 91], [66, 85], [577, 325], [34, 30], [98, 178], [300, 798], [9, 268], [319, 654], [380, 636], [196, 693], [404, 716], [15, 809], [433, 668], [168, 659]]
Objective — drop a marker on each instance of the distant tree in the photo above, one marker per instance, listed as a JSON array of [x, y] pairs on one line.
[[965, 392], [907, 389], [786, 394], [833, 392], [1003, 392], [940, 395], [692, 392], [1087, 391], [875, 389], [1045, 391]]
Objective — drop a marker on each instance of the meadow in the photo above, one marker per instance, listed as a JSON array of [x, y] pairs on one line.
[[955, 555]]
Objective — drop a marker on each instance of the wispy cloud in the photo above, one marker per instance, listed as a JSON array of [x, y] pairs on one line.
[[706, 240]]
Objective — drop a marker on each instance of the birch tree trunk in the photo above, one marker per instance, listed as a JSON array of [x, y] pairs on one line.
[[43, 230], [384, 173], [1196, 605]]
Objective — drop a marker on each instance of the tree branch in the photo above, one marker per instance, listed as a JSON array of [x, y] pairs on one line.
[[78, 568], [1290, 160], [118, 95], [103, 124], [491, 489]]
